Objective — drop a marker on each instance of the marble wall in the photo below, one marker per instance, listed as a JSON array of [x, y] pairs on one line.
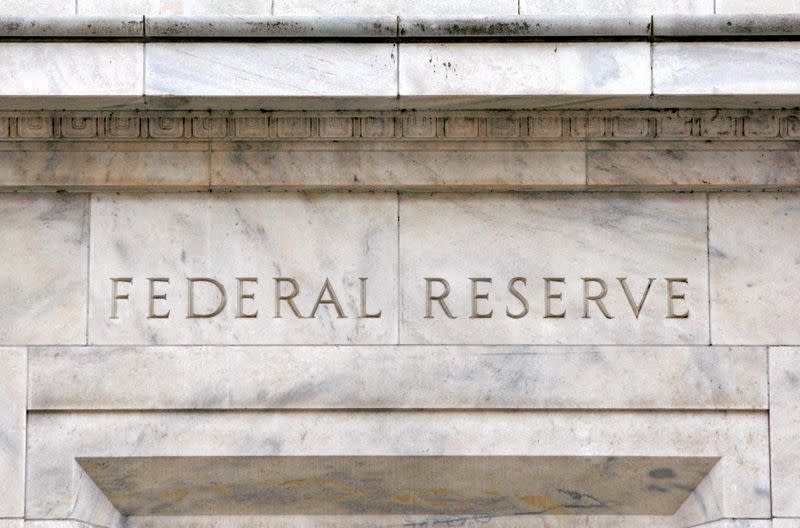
[[144, 329]]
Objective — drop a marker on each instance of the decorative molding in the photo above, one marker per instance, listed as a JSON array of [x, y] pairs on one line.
[[500, 126]]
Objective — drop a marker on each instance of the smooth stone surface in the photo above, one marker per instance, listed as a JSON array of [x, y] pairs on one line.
[[786, 523], [271, 69], [43, 246], [716, 68], [271, 27], [509, 69], [517, 26], [615, 7], [341, 237], [740, 439], [13, 405], [366, 168], [33, 69], [391, 485], [164, 169], [754, 252], [174, 7], [745, 7], [784, 419], [694, 168], [558, 236], [395, 7], [444, 377], [37, 7]]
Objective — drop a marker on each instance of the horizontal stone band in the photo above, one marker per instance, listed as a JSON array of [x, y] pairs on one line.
[[399, 28]]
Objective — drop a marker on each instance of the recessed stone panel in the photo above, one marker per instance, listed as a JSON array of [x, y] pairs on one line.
[[71, 69], [13, 405], [599, 8], [754, 251], [234, 69], [395, 7], [395, 377], [512, 69], [710, 68], [545, 268], [174, 7], [43, 248], [237, 268]]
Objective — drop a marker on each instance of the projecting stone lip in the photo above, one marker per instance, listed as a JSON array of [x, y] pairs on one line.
[[399, 28]]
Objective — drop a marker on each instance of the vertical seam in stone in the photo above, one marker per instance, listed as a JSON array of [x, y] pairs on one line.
[[715, 12], [399, 298], [88, 262], [769, 437], [652, 58], [25, 434], [397, 66], [519, 6], [76, 7], [272, 8], [708, 265], [144, 58]]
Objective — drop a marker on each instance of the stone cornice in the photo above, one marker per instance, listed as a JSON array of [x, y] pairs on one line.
[[401, 28], [336, 127]]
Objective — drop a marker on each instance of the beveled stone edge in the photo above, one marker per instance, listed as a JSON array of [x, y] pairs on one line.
[[401, 28], [511, 127]]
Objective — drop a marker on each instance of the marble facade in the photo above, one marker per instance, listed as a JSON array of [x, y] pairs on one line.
[[501, 264]]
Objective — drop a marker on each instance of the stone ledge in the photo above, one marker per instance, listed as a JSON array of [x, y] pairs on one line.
[[401, 28]]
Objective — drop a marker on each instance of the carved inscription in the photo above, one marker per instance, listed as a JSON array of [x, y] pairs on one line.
[[595, 290], [285, 291], [245, 305]]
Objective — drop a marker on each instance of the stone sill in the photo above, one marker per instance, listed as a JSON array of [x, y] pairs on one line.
[[401, 28]]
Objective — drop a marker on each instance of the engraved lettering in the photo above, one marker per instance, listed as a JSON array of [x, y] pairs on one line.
[[474, 313], [364, 313], [279, 296], [222, 302], [332, 299], [153, 297], [516, 293], [439, 298], [548, 296], [636, 307], [116, 296], [672, 297], [598, 298], [241, 296]]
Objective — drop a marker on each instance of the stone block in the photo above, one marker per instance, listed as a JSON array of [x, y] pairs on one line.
[[753, 251], [52, 69], [391, 377], [395, 7], [13, 410], [739, 439], [747, 7], [784, 416], [291, 268], [785, 523], [518, 69], [96, 169], [43, 246], [693, 168], [615, 7], [731, 68], [37, 7], [206, 69], [528, 266], [366, 168], [174, 7]]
